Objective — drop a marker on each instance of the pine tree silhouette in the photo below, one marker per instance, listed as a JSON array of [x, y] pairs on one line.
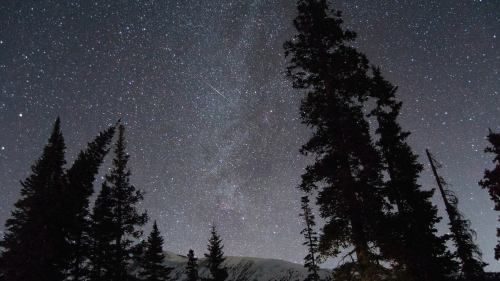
[[413, 245], [191, 267], [120, 213], [310, 261], [126, 217], [34, 242], [81, 177], [347, 170], [215, 257], [491, 179], [102, 225], [153, 267], [463, 236]]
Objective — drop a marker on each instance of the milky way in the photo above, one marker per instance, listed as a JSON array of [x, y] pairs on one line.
[[211, 121]]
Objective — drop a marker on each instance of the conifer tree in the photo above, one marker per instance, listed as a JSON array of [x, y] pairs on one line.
[[347, 170], [463, 236], [310, 260], [126, 217], [192, 267], [102, 225], [412, 243], [491, 179], [152, 263], [34, 245], [215, 257], [121, 209], [81, 177]]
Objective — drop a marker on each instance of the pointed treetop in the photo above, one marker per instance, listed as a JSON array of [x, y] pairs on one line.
[[191, 269], [215, 256]]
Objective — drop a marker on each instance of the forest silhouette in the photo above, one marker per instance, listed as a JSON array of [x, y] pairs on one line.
[[379, 221]]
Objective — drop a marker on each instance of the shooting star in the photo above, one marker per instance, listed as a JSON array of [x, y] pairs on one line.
[[218, 92], [203, 79], [190, 74]]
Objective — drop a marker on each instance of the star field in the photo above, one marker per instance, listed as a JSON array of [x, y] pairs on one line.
[[211, 121]]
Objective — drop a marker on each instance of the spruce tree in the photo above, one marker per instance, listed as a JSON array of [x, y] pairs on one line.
[[126, 217], [215, 257], [191, 269], [347, 170], [81, 177], [411, 242], [152, 263], [34, 245], [463, 236], [310, 260], [102, 225], [126, 221], [491, 179]]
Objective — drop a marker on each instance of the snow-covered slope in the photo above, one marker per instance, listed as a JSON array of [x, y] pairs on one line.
[[246, 269], [254, 269]]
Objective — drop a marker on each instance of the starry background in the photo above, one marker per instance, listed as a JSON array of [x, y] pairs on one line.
[[212, 123]]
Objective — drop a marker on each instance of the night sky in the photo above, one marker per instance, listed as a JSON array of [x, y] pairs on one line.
[[211, 121]]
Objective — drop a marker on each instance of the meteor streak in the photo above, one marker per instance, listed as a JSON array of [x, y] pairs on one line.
[[214, 88], [190, 74]]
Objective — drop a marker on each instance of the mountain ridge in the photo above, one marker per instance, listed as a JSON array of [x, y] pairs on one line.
[[244, 269]]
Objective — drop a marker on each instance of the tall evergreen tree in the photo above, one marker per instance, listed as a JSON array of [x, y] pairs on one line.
[[102, 225], [462, 234], [34, 245], [310, 260], [491, 179], [152, 263], [127, 220], [413, 243], [81, 177], [121, 209], [215, 257], [192, 267], [347, 170]]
